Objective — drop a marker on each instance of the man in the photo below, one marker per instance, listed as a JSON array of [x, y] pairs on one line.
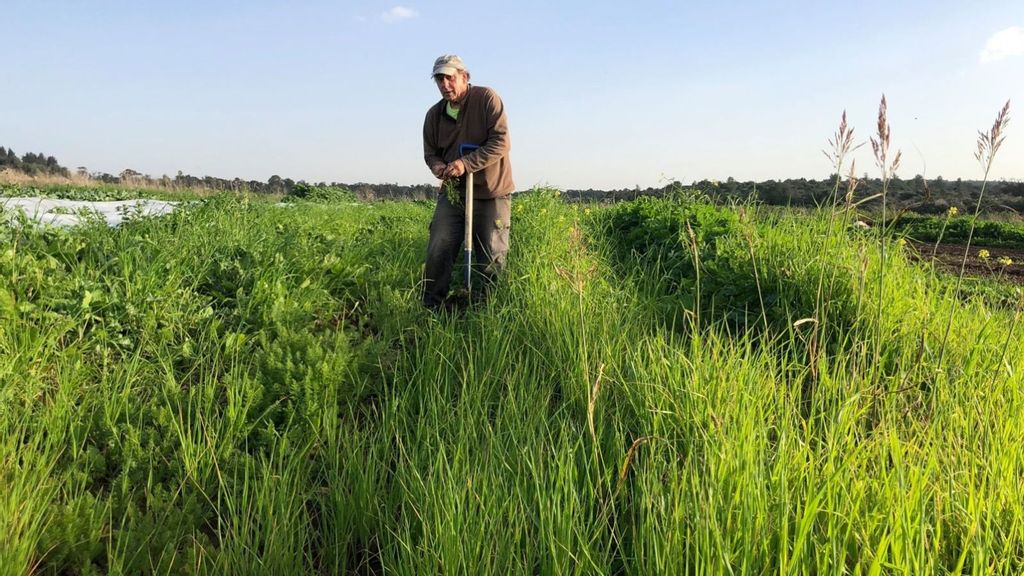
[[466, 131]]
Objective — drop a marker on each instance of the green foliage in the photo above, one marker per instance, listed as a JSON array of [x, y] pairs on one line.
[[98, 193], [228, 321], [320, 194], [240, 388], [676, 234], [451, 190], [956, 229], [701, 257]]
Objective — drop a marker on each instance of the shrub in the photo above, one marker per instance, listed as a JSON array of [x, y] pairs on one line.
[[320, 194]]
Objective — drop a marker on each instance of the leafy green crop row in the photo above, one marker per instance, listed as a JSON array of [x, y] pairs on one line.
[[98, 193], [956, 230]]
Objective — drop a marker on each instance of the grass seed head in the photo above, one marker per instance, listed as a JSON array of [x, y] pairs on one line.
[[989, 143], [851, 181], [840, 144], [880, 143]]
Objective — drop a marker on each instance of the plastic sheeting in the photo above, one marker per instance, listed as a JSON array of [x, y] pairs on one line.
[[56, 212]]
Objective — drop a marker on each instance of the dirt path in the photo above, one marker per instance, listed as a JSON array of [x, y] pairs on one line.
[[949, 257]]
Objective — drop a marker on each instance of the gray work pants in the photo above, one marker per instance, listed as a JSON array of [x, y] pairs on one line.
[[447, 230]]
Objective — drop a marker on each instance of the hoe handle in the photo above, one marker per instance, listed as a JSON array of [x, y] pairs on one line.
[[469, 230], [468, 240]]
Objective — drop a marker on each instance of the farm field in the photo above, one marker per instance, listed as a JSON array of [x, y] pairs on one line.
[[996, 249], [663, 386], [998, 261]]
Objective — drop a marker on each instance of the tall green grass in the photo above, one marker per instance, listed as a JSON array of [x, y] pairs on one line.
[[239, 388]]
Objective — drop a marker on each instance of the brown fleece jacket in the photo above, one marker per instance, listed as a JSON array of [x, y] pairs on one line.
[[481, 122]]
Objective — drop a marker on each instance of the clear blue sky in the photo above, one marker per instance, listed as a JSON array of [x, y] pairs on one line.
[[599, 94]]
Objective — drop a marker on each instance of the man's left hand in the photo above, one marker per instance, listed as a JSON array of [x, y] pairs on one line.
[[455, 169]]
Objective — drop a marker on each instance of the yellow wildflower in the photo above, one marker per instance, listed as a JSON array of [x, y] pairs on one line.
[[983, 254]]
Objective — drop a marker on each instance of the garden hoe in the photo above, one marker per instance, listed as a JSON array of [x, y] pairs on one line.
[[468, 240]]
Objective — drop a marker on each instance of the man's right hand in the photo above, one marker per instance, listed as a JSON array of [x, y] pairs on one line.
[[455, 169]]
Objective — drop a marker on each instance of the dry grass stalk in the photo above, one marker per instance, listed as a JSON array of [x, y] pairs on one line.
[[696, 270], [841, 144], [753, 261], [592, 402], [1018, 308], [851, 182], [989, 143], [880, 145], [628, 462]]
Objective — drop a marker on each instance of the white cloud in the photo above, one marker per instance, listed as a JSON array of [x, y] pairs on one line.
[[1003, 44], [398, 13]]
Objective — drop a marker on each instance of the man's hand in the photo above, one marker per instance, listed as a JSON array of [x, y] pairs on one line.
[[438, 170], [455, 169]]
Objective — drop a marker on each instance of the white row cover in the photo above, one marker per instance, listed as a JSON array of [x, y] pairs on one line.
[[66, 213]]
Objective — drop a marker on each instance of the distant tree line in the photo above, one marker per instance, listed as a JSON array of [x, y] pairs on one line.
[[917, 194], [31, 163], [39, 164], [274, 185], [925, 196]]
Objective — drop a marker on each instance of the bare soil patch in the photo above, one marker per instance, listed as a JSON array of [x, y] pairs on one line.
[[948, 257]]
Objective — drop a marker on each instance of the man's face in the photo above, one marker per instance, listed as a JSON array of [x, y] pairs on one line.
[[452, 86]]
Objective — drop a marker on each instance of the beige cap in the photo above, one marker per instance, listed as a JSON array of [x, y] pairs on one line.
[[448, 65]]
